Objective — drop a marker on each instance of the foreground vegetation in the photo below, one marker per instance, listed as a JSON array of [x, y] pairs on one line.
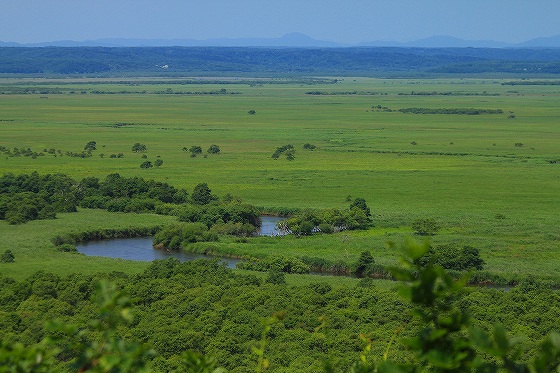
[[212, 311]]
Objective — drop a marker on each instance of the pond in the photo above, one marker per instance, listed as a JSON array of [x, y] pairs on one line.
[[141, 248]]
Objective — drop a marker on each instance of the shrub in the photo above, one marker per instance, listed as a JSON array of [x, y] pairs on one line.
[[308, 146], [7, 257], [425, 227], [454, 258], [364, 266], [173, 237], [137, 147], [146, 164], [275, 277], [213, 149]]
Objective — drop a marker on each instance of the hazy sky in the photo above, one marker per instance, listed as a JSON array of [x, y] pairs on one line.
[[345, 21]]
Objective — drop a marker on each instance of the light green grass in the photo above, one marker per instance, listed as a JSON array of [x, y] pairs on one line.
[[33, 250], [463, 171]]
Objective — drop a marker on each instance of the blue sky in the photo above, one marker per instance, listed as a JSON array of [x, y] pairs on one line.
[[344, 21]]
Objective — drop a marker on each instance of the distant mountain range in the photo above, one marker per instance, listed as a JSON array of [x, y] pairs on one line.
[[295, 40]]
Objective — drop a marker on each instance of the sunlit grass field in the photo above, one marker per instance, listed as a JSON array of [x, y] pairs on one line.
[[461, 170]]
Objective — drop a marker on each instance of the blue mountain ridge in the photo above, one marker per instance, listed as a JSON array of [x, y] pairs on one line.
[[295, 40]]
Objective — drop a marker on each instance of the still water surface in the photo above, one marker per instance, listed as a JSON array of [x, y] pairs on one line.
[[141, 248]]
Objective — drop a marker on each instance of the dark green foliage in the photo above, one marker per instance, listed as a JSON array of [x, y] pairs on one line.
[[139, 148], [459, 111], [234, 229], [308, 146], [173, 237], [194, 150], [202, 195], [306, 222], [29, 197], [71, 239], [275, 277], [213, 149], [325, 228], [275, 263], [7, 257], [90, 146], [454, 258], [361, 204], [158, 162], [425, 227], [116, 186], [252, 112], [288, 150], [146, 164], [446, 340], [266, 61], [202, 306], [364, 266]]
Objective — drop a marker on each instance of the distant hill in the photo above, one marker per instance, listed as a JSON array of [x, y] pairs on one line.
[[275, 61], [294, 40], [441, 41]]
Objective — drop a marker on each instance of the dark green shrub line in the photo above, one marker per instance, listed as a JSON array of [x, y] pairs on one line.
[[287, 150], [307, 222], [453, 111], [532, 82], [30, 197], [99, 234]]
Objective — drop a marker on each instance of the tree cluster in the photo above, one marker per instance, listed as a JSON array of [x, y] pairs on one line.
[[304, 223], [287, 150], [224, 218], [455, 258], [196, 150], [30, 197], [456, 111]]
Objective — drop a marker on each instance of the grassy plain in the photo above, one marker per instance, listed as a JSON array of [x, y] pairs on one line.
[[462, 170]]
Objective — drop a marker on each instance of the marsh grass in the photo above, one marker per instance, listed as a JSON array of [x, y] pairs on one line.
[[463, 171]]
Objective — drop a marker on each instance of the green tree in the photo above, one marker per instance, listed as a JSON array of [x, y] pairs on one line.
[[195, 150], [364, 265], [139, 148], [361, 204], [425, 227], [308, 146], [90, 146], [275, 277], [146, 164], [158, 162], [213, 149], [202, 195], [7, 257]]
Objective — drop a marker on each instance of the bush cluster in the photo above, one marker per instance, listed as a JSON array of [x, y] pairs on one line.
[[30, 197], [304, 223]]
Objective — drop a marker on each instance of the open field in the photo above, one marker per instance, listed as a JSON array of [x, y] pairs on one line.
[[462, 170]]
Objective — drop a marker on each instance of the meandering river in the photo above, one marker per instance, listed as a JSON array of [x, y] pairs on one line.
[[141, 248]]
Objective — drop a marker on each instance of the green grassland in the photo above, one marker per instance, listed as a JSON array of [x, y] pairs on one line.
[[461, 170]]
